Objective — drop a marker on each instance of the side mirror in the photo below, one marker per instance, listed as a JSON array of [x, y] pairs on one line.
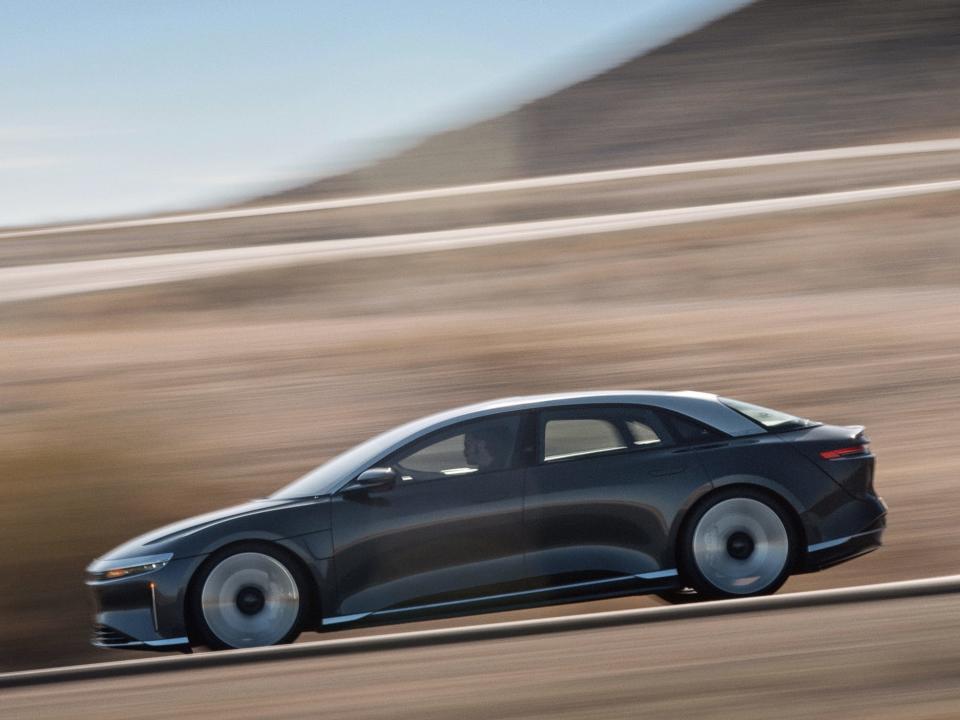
[[378, 478]]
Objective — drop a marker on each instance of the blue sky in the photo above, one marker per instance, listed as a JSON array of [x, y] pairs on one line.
[[113, 106]]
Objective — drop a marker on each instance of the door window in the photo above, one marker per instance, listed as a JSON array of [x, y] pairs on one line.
[[573, 437], [571, 433], [470, 449]]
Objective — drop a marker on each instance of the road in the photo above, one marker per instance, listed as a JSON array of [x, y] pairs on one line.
[[56, 279], [883, 660]]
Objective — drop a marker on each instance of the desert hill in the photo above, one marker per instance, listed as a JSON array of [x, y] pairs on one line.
[[778, 75]]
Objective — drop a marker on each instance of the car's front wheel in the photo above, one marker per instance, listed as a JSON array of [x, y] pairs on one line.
[[248, 596], [738, 544]]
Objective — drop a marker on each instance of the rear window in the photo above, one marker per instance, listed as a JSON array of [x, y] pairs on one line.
[[770, 419], [691, 432]]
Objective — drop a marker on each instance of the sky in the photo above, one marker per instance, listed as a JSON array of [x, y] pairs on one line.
[[114, 107]]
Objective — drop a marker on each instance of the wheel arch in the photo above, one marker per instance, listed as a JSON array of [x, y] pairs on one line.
[[290, 555], [776, 494]]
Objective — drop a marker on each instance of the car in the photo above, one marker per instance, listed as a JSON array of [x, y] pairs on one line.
[[521, 502]]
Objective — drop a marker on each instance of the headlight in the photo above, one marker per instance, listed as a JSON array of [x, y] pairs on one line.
[[110, 569]]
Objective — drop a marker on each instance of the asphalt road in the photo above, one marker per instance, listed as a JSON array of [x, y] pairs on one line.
[[889, 659]]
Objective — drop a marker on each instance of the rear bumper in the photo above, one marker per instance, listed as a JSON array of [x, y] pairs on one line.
[[828, 553]]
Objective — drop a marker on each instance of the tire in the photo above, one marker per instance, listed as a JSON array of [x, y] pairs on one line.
[[248, 595], [739, 543], [679, 596]]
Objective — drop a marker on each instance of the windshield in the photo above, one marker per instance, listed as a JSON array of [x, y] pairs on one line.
[[326, 478], [770, 419]]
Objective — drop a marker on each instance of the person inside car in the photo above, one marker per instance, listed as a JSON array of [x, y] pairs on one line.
[[487, 447]]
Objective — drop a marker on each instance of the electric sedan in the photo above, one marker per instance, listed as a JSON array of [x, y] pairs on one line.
[[513, 503]]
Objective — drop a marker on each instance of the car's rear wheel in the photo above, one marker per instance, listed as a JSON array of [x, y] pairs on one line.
[[738, 544], [248, 596], [679, 596]]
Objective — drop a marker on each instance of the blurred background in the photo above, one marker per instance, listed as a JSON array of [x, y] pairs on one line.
[[124, 409]]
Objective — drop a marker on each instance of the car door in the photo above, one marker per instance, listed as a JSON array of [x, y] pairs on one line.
[[448, 530], [602, 495]]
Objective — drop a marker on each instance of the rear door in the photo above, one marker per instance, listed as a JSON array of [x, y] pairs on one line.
[[601, 497]]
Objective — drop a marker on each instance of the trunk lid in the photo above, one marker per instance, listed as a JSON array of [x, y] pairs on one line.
[[842, 452]]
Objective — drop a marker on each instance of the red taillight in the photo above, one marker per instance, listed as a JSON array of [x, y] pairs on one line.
[[845, 451]]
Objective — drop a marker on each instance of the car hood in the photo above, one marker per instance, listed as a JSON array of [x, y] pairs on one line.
[[266, 519]]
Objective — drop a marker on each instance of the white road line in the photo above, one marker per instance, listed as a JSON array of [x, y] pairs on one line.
[[948, 584], [807, 156], [50, 280]]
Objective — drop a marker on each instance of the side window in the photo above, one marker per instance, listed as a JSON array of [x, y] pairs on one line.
[[571, 437], [570, 433], [467, 449], [646, 427], [643, 434]]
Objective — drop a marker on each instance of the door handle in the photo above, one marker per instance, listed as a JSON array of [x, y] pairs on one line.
[[672, 469], [697, 448]]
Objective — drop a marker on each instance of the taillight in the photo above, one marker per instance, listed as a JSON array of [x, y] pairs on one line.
[[861, 449]]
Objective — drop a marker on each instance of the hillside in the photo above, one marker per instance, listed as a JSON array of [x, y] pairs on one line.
[[778, 75]]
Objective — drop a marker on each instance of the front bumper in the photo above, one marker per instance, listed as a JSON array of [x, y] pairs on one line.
[[145, 611], [107, 637]]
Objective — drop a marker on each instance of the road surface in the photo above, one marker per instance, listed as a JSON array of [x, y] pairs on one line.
[[882, 660]]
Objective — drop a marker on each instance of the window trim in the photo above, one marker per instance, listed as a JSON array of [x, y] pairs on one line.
[[585, 453]]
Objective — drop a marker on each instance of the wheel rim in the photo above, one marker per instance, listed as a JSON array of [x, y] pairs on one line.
[[741, 546], [250, 599]]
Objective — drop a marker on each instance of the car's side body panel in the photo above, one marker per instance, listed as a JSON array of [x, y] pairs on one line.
[[605, 515]]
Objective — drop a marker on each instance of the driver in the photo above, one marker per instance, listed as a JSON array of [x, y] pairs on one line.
[[487, 447]]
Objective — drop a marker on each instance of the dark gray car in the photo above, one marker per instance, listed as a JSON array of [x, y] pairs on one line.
[[513, 503]]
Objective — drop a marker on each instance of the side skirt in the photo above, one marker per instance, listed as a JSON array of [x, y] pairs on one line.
[[539, 597]]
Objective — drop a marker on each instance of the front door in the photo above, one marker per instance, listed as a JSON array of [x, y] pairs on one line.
[[449, 530]]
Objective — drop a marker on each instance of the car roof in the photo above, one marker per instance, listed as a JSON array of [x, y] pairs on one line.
[[705, 407], [589, 397]]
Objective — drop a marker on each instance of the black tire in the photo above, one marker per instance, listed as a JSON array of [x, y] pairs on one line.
[[737, 543], [679, 596], [272, 598]]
